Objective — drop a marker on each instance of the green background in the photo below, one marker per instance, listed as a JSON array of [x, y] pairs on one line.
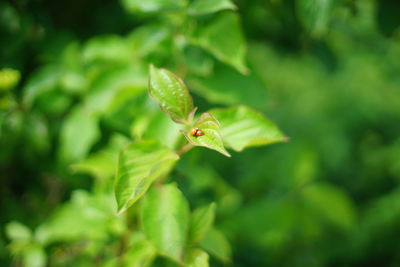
[[327, 72]]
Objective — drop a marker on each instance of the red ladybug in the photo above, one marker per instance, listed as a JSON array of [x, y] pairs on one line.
[[196, 132]]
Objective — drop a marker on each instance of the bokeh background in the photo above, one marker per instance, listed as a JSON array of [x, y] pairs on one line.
[[73, 92]]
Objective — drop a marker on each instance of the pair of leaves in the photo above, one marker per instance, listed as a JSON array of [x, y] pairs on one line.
[[241, 126], [175, 100]]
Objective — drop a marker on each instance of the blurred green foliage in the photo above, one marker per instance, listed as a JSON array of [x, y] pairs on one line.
[[73, 92]]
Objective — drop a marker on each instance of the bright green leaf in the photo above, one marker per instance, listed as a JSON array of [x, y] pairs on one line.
[[197, 258], [201, 221], [223, 38], [315, 14], [109, 48], [79, 132], [171, 94], [9, 78], [165, 219], [34, 256], [141, 252], [243, 127], [139, 165], [86, 216], [152, 5], [148, 39], [18, 232], [211, 137], [201, 7], [216, 244]]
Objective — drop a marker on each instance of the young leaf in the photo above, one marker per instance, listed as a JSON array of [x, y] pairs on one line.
[[197, 258], [202, 220], [165, 219], [139, 165], [224, 39], [201, 7], [315, 14], [211, 137], [243, 127], [171, 94], [216, 244]]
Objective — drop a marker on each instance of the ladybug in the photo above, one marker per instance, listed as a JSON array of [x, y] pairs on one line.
[[196, 132]]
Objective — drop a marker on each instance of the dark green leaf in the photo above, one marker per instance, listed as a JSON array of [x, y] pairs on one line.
[[165, 219], [243, 127], [330, 203], [315, 15], [224, 39], [139, 165], [201, 221], [171, 94], [212, 136], [216, 244]]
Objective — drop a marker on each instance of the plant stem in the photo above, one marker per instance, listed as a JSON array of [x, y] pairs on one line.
[[184, 149]]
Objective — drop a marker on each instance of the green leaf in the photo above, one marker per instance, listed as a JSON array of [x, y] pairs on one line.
[[152, 5], [86, 216], [103, 163], [212, 136], [139, 165], [201, 221], [216, 244], [79, 132], [201, 7], [197, 258], [16, 231], [34, 256], [147, 39], [171, 94], [243, 127], [108, 48], [165, 219], [330, 203], [9, 78], [223, 38], [141, 253], [44, 80], [315, 15], [225, 86]]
